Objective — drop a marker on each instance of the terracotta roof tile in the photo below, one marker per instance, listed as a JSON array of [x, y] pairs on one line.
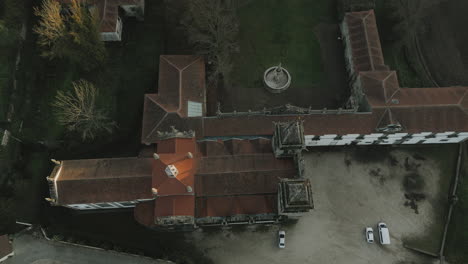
[[186, 167], [235, 205], [144, 213], [241, 183], [433, 119], [379, 86], [175, 206], [103, 180], [181, 79], [364, 41], [429, 96], [5, 246]]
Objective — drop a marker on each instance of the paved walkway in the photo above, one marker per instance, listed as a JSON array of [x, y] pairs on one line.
[[33, 250]]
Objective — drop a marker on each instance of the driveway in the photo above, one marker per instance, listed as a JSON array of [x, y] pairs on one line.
[[349, 194], [36, 250]]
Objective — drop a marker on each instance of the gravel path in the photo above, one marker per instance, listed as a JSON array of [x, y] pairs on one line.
[[347, 199]]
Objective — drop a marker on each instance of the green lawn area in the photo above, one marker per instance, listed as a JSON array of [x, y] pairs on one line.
[[457, 237], [280, 31], [274, 31]]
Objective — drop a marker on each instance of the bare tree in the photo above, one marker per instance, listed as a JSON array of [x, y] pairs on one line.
[[78, 111], [409, 16], [212, 27]]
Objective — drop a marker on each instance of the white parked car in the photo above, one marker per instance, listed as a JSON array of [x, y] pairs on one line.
[[369, 235], [384, 235], [282, 239]]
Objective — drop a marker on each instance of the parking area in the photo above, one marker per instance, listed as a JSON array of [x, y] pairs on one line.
[[352, 189]]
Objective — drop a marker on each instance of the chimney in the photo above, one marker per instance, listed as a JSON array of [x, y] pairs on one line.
[[171, 171]]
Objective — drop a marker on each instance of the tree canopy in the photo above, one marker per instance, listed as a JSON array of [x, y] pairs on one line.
[[212, 27], [79, 111], [70, 32]]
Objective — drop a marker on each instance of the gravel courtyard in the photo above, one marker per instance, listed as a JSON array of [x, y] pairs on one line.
[[405, 188]]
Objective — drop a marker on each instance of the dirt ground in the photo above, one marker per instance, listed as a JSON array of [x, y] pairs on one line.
[[399, 187]]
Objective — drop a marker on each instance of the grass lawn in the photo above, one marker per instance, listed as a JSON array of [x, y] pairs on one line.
[[457, 237], [279, 31]]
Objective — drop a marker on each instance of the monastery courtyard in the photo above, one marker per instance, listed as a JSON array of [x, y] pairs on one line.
[[351, 194]]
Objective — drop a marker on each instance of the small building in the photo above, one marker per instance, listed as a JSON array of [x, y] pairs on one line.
[[110, 22], [288, 139], [91, 184], [294, 197]]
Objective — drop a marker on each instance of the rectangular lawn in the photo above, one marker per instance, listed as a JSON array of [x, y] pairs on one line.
[[297, 33]]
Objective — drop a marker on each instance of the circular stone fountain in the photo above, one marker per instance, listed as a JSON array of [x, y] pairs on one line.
[[277, 79]]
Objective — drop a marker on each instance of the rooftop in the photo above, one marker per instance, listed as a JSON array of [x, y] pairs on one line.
[[101, 180]]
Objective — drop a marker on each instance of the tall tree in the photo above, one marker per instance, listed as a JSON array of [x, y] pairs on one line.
[[79, 111], [212, 27], [410, 18], [51, 29], [74, 36]]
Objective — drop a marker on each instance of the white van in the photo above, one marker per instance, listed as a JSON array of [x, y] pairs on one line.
[[384, 235]]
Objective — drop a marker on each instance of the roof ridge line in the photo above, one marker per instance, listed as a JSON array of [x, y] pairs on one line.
[[101, 178], [242, 171], [367, 41], [462, 98], [156, 126]]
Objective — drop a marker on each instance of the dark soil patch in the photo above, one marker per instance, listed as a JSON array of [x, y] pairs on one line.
[[418, 156], [413, 184], [377, 173], [412, 199], [393, 161], [366, 154], [411, 165]]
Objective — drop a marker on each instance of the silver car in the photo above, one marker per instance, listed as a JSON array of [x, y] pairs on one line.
[[369, 235], [282, 239]]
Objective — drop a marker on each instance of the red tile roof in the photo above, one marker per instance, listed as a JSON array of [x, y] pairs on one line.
[[144, 213], [364, 41], [226, 178], [186, 167], [5, 246], [174, 206], [181, 79], [223, 206], [103, 180], [379, 86]]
